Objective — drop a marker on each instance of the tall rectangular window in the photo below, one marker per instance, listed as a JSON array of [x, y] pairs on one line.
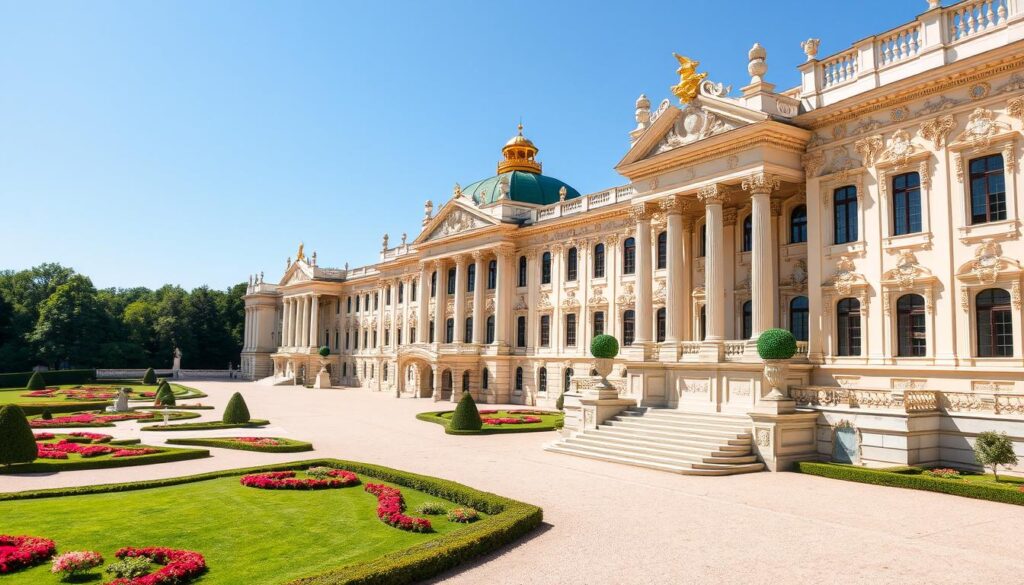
[[906, 204], [545, 330], [545, 268], [844, 214], [522, 271], [628, 327], [599, 323], [520, 331], [571, 265], [570, 330], [599, 261], [629, 256], [988, 189], [662, 250]]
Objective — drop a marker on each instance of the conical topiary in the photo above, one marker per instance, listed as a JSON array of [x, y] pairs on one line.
[[236, 412], [149, 378], [466, 416], [17, 443], [560, 403], [164, 394], [36, 382]]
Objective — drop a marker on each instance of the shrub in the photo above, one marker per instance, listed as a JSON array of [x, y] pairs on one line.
[[463, 515], [560, 403], [73, 563], [129, 567], [164, 395], [47, 415], [432, 508], [149, 378], [17, 442], [236, 411], [993, 449], [324, 351], [944, 473], [466, 416], [776, 344], [36, 382], [604, 347]]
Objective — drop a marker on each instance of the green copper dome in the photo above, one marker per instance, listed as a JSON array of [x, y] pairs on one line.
[[523, 186]]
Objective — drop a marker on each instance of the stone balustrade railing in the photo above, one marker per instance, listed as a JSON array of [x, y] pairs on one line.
[[585, 203], [909, 400], [691, 347], [937, 37], [580, 384], [735, 349]]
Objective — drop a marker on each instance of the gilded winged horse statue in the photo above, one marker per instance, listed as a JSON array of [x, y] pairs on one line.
[[689, 79]]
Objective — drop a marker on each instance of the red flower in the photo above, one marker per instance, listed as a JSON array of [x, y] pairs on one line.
[[286, 480], [180, 566], [19, 552], [390, 508]]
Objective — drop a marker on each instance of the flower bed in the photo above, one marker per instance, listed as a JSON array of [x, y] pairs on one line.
[[90, 419], [179, 566], [390, 508], [286, 480], [258, 444], [19, 552], [501, 421], [70, 564], [511, 420], [58, 452], [63, 447], [463, 515]]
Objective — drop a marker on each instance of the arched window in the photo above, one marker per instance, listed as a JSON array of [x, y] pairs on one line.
[[702, 325], [465, 381], [401, 292], [629, 256], [522, 270], [703, 244], [994, 322], [433, 284], [468, 331], [490, 329], [799, 314], [798, 225], [599, 261], [570, 330], [848, 327], [748, 320], [659, 318], [628, 327], [471, 277], [662, 250], [520, 331], [748, 233], [598, 322], [519, 378], [449, 330], [906, 204], [542, 379], [545, 268], [451, 281], [845, 216], [545, 330], [485, 379], [570, 265], [910, 326], [988, 189], [568, 380], [492, 274]]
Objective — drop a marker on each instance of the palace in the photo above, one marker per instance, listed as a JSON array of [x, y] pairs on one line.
[[872, 211]]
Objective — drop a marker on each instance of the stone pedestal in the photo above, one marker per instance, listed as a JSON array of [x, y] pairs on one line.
[[782, 439], [323, 378]]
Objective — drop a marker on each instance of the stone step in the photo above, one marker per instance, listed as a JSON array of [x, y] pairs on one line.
[[682, 469], [687, 419], [665, 454], [681, 443], [658, 435], [696, 429], [689, 415]]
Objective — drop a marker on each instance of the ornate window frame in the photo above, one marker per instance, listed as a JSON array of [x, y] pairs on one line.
[[845, 282], [827, 185], [904, 156], [974, 143], [990, 269], [697, 302], [909, 277]]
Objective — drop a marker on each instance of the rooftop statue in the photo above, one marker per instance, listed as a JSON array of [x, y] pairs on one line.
[[689, 79]]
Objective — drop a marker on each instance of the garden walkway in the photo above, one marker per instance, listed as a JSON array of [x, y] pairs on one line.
[[612, 524]]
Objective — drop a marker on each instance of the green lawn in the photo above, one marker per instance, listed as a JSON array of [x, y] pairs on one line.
[[14, 395], [247, 535], [283, 445], [158, 417], [549, 421]]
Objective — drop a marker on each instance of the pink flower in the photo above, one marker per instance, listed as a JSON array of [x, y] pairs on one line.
[[19, 552]]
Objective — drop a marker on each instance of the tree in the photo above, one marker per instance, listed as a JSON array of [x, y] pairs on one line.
[[993, 449], [17, 442], [149, 378], [466, 416], [164, 394], [236, 412], [69, 323], [36, 382]]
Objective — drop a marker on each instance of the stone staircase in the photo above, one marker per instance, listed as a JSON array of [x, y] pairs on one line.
[[688, 443]]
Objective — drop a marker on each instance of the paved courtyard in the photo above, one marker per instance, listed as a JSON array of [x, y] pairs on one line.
[[606, 523]]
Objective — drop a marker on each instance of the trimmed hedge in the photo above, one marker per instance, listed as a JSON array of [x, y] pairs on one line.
[[776, 344], [54, 465], [236, 412], [290, 446], [30, 408], [908, 478], [36, 382], [436, 418], [466, 416], [604, 346], [17, 442], [53, 378], [508, 520], [149, 378], [207, 426]]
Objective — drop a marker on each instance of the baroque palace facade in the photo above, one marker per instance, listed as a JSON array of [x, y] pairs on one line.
[[873, 210]]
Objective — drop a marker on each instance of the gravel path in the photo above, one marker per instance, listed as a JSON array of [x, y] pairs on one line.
[[606, 523]]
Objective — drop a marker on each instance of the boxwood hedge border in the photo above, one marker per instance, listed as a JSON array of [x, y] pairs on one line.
[[226, 443], [169, 455], [208, 426], [53, 378], [436, 418], [507, 521], [903, 478]]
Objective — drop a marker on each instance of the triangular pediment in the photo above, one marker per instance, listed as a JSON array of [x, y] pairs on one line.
[[702, 118], [299, 271], [455, 218]]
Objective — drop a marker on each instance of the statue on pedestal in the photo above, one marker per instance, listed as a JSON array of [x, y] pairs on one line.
[[176, 368]]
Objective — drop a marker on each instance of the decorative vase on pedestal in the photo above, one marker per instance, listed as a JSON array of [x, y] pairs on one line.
[[775, 373]]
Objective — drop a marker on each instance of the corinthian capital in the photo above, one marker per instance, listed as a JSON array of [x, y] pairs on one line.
[[672, 204], [641, 211], [713, 194], [761, 183]]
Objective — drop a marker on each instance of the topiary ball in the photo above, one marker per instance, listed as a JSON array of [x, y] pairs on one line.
[[604, 347], [324, 351], [776, 344], [466, 416]]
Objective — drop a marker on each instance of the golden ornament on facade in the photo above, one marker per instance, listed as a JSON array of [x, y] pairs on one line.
[[689, 79]]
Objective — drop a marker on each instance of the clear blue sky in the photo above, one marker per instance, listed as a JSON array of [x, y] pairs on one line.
[[197, 142]]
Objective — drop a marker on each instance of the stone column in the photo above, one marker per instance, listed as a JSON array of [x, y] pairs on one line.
[[503, 297], [423, 300], [641, 214], [686, 277], [314, 322], [714, 273], [676, 267], [479, 288], [762, 276], [293, 312], [304, 333], [460, 299], [533, 260], [439, 304]]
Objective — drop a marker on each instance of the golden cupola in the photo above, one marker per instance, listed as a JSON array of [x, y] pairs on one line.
[[520, 154]]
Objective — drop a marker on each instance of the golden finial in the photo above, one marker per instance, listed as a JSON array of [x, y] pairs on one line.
[[520, 154], [689, 79], [300, 255]]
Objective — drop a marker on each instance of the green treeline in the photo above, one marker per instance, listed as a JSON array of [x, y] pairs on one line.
[[50, 315]]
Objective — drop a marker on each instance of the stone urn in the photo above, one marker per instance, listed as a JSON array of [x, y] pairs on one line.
[[604, 366], [604, 348], [775, 373], [776, 347]]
